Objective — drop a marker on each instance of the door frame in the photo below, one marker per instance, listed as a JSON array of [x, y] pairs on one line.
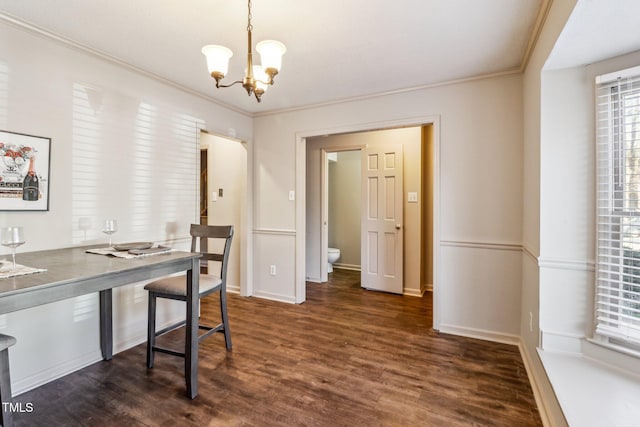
[[300, 191], [324, 204]]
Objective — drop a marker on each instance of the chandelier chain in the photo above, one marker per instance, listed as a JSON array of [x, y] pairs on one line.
[[249, 25]]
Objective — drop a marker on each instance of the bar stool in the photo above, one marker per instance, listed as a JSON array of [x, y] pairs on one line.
[[6, 341], [175, 288]]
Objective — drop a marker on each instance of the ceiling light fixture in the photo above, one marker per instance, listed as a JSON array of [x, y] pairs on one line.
[[257, 78]]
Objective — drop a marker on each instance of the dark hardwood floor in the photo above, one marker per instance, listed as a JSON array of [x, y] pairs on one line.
[[345, 357]]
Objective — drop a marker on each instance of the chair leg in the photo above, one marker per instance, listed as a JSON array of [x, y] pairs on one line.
[[151, 329], [5, 388], [225, 319]]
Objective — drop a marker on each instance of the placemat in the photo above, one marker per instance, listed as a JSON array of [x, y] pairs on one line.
[[7, 270], [130, 254]]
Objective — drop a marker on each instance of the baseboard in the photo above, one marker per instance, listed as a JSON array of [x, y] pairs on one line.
[[313, 279], [413, 292], [428, 287], [536, 386], [352, 267], [274, 297], [52, 373], [480, 334]]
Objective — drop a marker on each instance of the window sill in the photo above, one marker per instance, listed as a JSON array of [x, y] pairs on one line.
[[592, 393]]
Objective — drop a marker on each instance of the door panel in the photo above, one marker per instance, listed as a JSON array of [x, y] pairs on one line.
[[382, 234]]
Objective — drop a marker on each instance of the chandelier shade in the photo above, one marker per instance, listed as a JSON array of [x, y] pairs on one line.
[[271, 52], [257, 78], [217, 58]]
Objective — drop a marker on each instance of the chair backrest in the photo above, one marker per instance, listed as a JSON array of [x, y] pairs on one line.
[[199, 236]]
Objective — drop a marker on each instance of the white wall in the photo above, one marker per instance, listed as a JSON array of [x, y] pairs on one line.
[[567, 180], [479, 206], [124, 139]]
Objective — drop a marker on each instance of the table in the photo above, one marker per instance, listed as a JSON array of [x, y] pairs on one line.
[[72, 272]]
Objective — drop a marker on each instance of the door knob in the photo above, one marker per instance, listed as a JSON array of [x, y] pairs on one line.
[[397, 226]]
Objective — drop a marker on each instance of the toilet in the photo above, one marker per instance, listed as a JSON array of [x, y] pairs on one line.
[[333, 255]]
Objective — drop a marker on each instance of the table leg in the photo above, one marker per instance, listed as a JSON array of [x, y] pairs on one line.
[[106, 324], [191, 342]]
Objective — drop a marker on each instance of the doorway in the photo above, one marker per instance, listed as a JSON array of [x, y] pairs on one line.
[[341, 206], [411, 200], [226, 180], [204, 188]]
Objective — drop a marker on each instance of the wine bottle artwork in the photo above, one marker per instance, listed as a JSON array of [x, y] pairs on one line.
[[24, 172], [30, 184]]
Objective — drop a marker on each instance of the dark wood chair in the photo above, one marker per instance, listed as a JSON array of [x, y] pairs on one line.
[[6, 415], [175, 288]]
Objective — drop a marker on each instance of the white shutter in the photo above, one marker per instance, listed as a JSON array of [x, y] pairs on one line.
[[618, 210]]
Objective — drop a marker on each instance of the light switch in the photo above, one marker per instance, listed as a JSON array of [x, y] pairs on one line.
[[214, 196], [292, 195], [412, 197]]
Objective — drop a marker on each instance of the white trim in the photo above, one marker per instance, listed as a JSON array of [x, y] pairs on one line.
[[566, 264], [618, 75], [70, 43], [275, 297], [246, 264], [52, 373], [352, 267], [501, 246], [529, 252], [387, 93], [560, 342], [300, 185], [536, 386], [543, 12], [274, 231], [613, 356], [413, 292], [481, 334]]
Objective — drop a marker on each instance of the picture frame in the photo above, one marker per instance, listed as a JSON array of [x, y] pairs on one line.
[[24, 172]]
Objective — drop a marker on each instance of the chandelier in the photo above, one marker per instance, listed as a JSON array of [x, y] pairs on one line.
[[257, 78]]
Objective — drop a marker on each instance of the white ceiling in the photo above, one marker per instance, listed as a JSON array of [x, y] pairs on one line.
[[597, 30], [336, 49]]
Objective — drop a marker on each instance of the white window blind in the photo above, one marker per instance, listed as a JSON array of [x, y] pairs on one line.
[[618, 211]]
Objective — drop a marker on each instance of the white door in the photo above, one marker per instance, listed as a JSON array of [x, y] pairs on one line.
[[382, 247]]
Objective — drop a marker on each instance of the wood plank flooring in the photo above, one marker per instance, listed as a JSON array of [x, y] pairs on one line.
[[346, 357]]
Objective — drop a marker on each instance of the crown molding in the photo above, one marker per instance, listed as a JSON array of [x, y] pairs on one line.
[[542, 15], [511, 71], [96, 53]]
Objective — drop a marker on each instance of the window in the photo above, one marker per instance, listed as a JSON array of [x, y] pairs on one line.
[[617, 319]]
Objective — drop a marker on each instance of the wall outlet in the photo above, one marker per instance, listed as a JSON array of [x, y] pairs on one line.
[[272, 270]]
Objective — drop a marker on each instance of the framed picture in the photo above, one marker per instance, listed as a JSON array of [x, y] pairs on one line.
[[24, 172]]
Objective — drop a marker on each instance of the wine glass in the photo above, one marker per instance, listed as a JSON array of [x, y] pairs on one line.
[[12, 237], [109, 227]]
